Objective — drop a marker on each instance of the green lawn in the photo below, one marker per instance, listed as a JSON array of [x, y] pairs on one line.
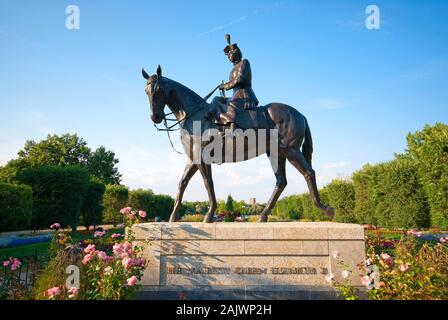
[[41, 249]]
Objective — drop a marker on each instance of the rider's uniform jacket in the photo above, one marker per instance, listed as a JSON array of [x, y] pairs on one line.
[[240, 80]]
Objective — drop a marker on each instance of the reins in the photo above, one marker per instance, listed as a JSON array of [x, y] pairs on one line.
[[168, 128]]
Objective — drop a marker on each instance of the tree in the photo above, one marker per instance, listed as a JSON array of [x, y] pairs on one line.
[[102, 165], [63, 150], [429, 148], [56, 150], [229, 204]]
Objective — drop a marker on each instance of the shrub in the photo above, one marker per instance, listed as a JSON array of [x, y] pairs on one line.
[[309, 210], [58, 193], [401, 200], [289, 208], [92, 211], [410, 272], [429, 148], [16, 203], [341, 196], [115, 197], [156, 205], [364, 210]]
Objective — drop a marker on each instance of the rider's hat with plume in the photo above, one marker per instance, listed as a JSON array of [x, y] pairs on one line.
[[230, 47]]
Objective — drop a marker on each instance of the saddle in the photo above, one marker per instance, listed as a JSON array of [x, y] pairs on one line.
[[253, 118]]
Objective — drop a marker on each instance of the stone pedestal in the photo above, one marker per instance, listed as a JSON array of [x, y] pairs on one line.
[[247, 260]]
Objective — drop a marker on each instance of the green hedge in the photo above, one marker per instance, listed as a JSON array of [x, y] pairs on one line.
[[341, 196], [58, 194], [115, 198], [155, 205], [92, 208], [16, 202], [429, 149], [289, 208], [399, 195]]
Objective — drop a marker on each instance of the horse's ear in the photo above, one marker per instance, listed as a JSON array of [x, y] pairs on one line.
[[145, 75], [159, 71]]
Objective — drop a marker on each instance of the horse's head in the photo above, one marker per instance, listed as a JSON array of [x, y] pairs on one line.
[[157, 94]]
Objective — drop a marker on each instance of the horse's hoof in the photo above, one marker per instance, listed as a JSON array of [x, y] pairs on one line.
[[329, 211]]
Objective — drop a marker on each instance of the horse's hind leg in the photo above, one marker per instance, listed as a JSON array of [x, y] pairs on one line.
[[280, 175], [206, 172], [189, 171], [298, 161]]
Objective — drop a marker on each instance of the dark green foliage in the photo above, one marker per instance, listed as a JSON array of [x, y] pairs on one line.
[[365, 205], [229, 204], [115, 198], [289, 208], [341, 196], [58, 194], [399, 195], [429, 148], [155, 205], [92, 208], [67, 149], [16, 202], [102, 165]]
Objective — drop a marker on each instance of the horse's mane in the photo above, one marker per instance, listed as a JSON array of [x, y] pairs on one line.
[[185, 89]]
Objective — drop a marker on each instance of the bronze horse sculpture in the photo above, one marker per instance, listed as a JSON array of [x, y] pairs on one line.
[[294, 140]]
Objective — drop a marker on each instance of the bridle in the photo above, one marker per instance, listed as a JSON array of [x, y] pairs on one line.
[[169, 128]]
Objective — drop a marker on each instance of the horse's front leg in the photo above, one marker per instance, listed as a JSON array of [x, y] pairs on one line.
[[206, 172], [189, 171]]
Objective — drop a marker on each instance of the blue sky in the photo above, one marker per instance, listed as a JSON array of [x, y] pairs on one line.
[[361, 90]]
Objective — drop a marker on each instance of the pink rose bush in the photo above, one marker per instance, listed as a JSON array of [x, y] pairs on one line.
[[12, 263], [133, 216], [110, 265]]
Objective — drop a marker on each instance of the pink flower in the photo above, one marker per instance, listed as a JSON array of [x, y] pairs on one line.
[[52, 292], [116, 235], [90, 248], [366, 281], [91, 228], [345, 274], [73, 292], [329, 278], [15, 264], [387, 259], [87, 258], [127, 263], [414, 233], [404, 267], [142, 214], [443, 239], [99, 234], [126, 210], [55, 226], [335, 254], [132, 281], [103, 256]]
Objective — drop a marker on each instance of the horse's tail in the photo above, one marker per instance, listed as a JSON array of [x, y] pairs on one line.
[[307, 147]]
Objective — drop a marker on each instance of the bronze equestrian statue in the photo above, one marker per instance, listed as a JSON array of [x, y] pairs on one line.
[[240, 80], [189, 109]]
